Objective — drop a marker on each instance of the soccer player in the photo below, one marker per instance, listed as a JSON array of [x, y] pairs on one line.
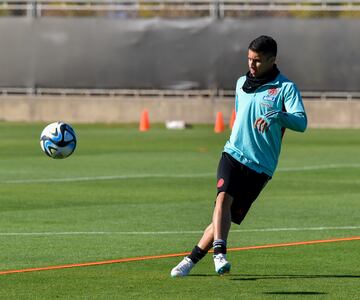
[[266, 103]]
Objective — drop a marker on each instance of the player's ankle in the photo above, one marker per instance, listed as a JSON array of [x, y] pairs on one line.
[[219, 246], [197, 254]]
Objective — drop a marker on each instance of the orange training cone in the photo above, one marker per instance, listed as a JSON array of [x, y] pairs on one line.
[[219, 123], [144, 121], [232, 119]]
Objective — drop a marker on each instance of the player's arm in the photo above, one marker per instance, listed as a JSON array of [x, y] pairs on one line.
[[293, 118]]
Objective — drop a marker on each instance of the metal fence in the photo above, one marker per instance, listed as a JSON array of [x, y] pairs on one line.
[[216, 8], [154, 93]]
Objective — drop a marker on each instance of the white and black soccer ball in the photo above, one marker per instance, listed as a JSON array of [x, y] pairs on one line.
[[58, 140]]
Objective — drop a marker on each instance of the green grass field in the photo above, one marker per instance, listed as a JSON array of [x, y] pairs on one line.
[[128, 194]]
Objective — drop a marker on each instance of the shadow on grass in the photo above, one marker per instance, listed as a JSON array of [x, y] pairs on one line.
[[294, 293], [282, 277], [248, 277]]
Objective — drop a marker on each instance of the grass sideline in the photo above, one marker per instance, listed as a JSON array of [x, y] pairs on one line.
[[174, 194]]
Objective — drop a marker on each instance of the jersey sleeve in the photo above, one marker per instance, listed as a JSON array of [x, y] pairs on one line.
[[294, 116]]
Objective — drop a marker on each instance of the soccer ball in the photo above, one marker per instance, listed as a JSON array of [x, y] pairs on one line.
[[58, 140]]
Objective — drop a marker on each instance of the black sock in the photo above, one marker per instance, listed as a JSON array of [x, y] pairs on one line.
[[197, 254], [219, 247]]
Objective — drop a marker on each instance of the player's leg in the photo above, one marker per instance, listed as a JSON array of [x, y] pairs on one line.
[[217, 231], [222, 216], [246, 185], [207, 239], [205, 243], [221, 224], [197, 253]]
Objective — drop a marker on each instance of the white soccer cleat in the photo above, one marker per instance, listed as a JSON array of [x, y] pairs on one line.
[[222, 266], [183, 268]]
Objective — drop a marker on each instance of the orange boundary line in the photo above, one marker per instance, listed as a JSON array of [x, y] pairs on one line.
[[123, 260]]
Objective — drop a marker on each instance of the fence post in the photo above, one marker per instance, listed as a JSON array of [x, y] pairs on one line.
[[217, 9]]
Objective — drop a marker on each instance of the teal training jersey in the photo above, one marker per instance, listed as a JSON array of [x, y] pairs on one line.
[[279, 103]]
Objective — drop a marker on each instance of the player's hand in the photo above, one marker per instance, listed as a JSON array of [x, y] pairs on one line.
[[261, 125]]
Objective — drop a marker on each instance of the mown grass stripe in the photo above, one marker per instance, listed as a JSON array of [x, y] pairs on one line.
[[151, 257], [323, 228], [192, 175]]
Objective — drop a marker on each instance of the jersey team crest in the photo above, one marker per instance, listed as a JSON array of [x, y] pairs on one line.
[[272, 92]]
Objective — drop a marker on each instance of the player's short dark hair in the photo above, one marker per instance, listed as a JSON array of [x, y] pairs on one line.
[[264, 44]]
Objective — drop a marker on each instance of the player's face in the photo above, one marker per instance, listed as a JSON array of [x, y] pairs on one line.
[[259, 63]]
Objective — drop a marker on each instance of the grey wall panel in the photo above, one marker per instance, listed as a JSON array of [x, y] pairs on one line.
[[318, 54]]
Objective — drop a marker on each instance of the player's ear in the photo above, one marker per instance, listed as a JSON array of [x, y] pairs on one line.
[[272, 59]]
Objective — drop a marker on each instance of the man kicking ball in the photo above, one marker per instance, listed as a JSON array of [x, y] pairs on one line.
[[266, 103]]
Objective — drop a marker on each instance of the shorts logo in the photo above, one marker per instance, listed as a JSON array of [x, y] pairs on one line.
[[220, 182]]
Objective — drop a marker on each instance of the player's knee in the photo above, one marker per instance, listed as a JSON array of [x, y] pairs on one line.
[[224, 200]]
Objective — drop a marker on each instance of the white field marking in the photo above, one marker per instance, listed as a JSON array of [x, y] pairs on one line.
[[111, 177], [173, 232], [144, 176], [318, 167]]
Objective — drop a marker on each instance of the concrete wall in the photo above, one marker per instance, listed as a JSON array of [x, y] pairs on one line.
[[82, 109], [333, 114]]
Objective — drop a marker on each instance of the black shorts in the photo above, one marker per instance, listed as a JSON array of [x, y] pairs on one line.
[[240, 182]]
